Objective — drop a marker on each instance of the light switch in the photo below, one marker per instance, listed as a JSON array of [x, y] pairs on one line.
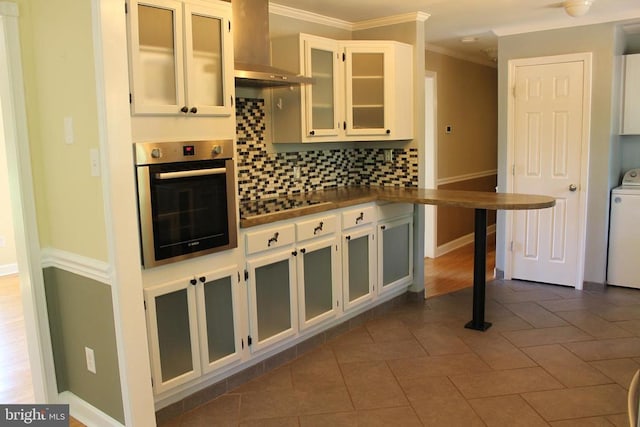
[[68, 130]]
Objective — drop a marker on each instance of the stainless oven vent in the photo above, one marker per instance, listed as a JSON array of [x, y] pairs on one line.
[[252, 49]]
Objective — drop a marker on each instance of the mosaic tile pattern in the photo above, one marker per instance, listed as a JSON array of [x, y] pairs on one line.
[[263, 175]]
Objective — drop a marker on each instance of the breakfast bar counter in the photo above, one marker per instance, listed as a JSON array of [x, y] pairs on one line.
[[272, 210]]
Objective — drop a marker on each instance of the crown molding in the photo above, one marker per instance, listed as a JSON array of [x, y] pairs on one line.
[[303, 15], [568, 23], [391, 20], [458, 55]]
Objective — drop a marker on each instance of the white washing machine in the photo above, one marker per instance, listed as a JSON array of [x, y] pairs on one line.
[[624, 232]]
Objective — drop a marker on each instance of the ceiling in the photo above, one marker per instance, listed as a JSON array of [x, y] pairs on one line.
[[452, 20]]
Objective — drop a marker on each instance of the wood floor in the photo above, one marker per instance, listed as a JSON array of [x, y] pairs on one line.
[[448, 273], [454, 270], [15, 374]]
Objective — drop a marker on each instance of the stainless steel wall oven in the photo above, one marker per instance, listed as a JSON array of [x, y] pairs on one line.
[[186, 199]]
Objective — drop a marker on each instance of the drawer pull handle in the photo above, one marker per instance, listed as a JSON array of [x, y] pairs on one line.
[[360, 217], [274, 239], [318, 228]]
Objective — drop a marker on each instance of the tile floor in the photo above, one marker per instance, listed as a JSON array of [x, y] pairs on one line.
[[554, 356]]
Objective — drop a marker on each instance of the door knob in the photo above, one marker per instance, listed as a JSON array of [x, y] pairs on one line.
[[572, 187]]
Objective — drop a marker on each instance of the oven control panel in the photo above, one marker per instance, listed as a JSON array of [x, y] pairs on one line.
[[148, 153]]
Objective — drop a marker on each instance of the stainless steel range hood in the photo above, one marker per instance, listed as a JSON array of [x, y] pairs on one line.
[[252, 49]]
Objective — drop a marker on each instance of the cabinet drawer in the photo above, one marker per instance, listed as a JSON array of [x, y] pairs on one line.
[[272, 238], [359, 216], [316, 227]]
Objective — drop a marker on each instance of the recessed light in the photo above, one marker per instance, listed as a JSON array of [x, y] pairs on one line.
[[469, 39]]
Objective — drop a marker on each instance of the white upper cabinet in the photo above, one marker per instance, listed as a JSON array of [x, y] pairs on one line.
[[631, 96], [181, 65], [362, 90]]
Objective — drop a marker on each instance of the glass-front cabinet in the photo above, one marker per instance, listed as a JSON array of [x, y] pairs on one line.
[[362, 90], [272, 298], [358, 266], [192, 327], [395, 254], [181, 58], [318, 270], [367, 113], [321, 107]]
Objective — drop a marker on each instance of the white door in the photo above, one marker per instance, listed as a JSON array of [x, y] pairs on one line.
[[549, 128]]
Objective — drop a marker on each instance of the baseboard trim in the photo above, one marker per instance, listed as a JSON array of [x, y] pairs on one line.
[[8, 269], [86, 413], [460, 242], [83, 266]]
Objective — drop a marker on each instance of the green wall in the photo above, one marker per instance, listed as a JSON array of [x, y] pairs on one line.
[[81, 315], [59, 75], [600, 40]]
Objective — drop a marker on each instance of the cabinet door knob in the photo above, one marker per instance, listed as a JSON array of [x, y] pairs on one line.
[[303, 250], [193, 281], [184, 109], [294, 253], [313, 132], [383, 227], [388, 131], [193, 110], [348, 237], [572, 187], [203, 279]]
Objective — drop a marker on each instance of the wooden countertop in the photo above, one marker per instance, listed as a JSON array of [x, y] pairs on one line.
[[293, 206]]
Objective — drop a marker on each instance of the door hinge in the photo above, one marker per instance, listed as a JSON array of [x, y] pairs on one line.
[[344, 125], [238, 277], [246, 275], [249, 340], [145, 304], [337, 303], [513, 91], [229, 26], [242, 342], [513, 169], [126, 8], [511, 246], [130, 99], [344, 57]]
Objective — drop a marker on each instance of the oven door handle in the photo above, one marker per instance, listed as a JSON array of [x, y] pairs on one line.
[[195, 172]]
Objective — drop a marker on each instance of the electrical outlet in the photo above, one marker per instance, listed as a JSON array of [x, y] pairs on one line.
[[388, 155], [91, 359]]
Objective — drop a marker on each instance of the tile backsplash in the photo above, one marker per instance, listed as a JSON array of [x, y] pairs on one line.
[[263, 175]]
